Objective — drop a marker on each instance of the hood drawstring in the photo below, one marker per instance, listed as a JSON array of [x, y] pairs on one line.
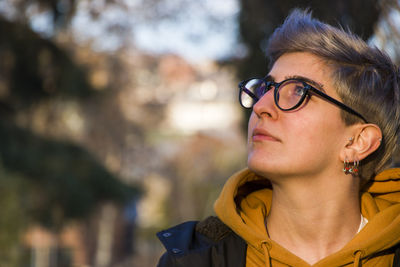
[[266, 246], [357, 257]]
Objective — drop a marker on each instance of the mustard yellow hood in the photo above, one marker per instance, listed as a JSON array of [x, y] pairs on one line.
[[246, 198]]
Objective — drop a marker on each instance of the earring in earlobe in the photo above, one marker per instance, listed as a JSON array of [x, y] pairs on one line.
[[355, 169], [351, 169], [346, 166]]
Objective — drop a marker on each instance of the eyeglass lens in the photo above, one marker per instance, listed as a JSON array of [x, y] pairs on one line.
[[251, 92], [289, 93]]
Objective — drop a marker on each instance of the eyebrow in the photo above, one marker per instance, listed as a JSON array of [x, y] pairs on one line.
[[319, 86]]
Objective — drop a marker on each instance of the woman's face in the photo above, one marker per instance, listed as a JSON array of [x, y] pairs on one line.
[[303, 142]]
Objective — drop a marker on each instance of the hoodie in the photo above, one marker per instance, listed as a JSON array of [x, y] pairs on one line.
[[245, 201]]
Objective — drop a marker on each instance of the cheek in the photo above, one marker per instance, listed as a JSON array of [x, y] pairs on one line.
[[317, 132]]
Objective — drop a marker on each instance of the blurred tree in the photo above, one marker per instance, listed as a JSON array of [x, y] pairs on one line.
[[65, 181], [13, 217], [33, 69], [61, 11], [42, 179]]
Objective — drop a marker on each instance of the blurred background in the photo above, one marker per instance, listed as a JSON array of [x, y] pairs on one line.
[[119, 118]]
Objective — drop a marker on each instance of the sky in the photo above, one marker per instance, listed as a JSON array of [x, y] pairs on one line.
[[197, 30]]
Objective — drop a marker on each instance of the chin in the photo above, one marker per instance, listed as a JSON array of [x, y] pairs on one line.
[[266, 168], [258, 166]]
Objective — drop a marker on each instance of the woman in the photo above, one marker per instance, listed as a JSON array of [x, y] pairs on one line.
[[324, 123]]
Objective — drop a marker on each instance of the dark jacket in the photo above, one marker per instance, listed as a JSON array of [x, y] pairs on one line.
[[201, 244], [209, 243]]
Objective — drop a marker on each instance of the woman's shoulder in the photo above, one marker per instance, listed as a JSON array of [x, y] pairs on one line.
[[199, 243], [213, 228]]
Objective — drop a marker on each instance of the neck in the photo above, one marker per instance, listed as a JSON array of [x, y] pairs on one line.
[[314, 220]]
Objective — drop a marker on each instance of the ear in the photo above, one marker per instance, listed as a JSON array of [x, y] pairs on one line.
[[366, 139]]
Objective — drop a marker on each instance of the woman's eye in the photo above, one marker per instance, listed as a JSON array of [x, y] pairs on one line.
[[299, 90]]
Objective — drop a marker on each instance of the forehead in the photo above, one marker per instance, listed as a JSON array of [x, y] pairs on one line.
[[302, 64]]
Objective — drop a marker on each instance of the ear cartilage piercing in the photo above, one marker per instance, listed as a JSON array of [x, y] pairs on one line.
[[351, 139]]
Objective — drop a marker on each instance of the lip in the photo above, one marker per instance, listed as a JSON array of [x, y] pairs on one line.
[[260, 134]]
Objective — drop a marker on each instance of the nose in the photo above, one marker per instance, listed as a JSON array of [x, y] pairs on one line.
[[265, 106]]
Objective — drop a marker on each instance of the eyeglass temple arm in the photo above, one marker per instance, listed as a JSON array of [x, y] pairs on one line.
[[337, 103]]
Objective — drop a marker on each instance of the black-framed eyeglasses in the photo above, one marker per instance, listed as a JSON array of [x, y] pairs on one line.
[[288, 94]]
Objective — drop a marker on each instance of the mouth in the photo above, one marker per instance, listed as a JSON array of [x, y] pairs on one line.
[[260, 134]]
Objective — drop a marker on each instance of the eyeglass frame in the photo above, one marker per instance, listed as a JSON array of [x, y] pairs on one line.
[[309, 89]]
